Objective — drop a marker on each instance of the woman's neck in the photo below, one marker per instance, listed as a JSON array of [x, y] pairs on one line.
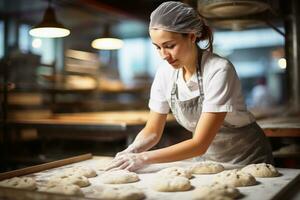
[[190, 68]]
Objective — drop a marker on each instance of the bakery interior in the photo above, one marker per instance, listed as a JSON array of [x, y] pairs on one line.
[[65, 96]]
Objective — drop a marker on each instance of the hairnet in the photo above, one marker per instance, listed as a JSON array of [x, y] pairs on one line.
[[176, 17]]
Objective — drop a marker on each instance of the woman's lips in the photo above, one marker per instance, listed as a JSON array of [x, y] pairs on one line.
[[172, 62]]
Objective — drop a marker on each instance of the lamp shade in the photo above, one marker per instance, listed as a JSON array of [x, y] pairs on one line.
[[49, 27], [107, 42]]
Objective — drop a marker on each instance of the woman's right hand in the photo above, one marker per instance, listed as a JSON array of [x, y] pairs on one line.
[[129, 149]]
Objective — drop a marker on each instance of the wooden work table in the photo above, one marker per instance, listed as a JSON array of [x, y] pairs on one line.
[[131, 120], [281, 126], [119, 119], [99, 125]]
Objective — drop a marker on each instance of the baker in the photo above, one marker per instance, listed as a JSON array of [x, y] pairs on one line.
[[203, 92]]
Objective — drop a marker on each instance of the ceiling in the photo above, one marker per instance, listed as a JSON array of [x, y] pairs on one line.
[[86, 18]]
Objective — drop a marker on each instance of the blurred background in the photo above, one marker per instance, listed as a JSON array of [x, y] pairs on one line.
[[56, 90]]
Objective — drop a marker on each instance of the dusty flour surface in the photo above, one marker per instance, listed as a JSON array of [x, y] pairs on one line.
[[266, 188]]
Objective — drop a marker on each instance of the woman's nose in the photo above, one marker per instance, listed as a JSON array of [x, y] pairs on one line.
[[164, 54]]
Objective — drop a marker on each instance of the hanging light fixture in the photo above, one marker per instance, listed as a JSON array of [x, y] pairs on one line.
[[107, 42], [49, 27]]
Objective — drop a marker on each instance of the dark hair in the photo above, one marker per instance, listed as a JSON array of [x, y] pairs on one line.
[[207, 34]]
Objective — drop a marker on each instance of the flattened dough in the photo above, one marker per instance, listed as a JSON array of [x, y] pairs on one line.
[[66, 179], [261, 170], [235, 178], [206, 168], [19, 182], [119, 177], [121, 192], [213, 196], [171, 184], [62, 189], [81, 171], [216, 190], [175, 171]]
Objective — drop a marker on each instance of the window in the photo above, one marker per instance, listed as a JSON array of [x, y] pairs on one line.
[[45, 47], [254, 54], [137, 57], [1, 39]]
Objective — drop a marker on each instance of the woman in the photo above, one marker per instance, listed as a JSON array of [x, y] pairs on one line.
[[204, 94]]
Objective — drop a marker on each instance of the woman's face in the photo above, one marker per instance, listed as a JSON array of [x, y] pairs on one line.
[[175, 48]]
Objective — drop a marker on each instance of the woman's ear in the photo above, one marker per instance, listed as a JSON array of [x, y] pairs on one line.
[[192, 37]]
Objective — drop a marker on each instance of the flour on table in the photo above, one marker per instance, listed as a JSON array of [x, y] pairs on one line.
[[175, 171], [171, 184], [19, 182], [235, 178], [261, 170], [206, 168], [62, 189], [119, 177], [120, 192], [103, 163]]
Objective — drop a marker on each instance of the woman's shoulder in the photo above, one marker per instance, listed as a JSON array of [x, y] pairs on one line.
[[215, 62]]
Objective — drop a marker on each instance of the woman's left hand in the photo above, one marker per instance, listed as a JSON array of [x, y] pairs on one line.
[[129, 161]]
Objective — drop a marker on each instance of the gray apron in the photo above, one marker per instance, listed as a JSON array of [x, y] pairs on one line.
[[234, 145]]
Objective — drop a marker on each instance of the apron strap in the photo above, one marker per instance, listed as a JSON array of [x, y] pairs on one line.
[[174, 90]]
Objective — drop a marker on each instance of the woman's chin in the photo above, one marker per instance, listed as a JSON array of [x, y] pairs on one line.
[[175, 65]]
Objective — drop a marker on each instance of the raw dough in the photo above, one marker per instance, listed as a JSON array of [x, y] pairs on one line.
[[119, 177], [66, 179], [206, 168], [261, 170], [216, 190], [212, 196], [121, 192], [19, 182], [171, 184], [235, 178], [62, 189], [81, 171], [175, 171]]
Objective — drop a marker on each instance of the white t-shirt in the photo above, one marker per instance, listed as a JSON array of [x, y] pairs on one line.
[[221, 85]]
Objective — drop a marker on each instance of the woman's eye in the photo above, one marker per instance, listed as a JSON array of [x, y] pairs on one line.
[[170, 46]]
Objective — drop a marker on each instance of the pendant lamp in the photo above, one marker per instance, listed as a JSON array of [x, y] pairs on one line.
[[49, 27], [107, 42]]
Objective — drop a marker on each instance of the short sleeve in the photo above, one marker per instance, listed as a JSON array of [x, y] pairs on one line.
[[158, 99], [219, 90]]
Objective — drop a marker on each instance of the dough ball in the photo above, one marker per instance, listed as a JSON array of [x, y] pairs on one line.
[[213, 196], [235, 178], [261, 170], [175, 171], [19, 182], [217, 190], [81, 171], [171, 184], [62, 189], [119, 177], [206, 168], [66, 179], [120, 192]]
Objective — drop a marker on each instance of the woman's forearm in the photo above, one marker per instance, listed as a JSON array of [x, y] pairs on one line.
[[150, 135], [145, 141], [207, 127], [183, 150]]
